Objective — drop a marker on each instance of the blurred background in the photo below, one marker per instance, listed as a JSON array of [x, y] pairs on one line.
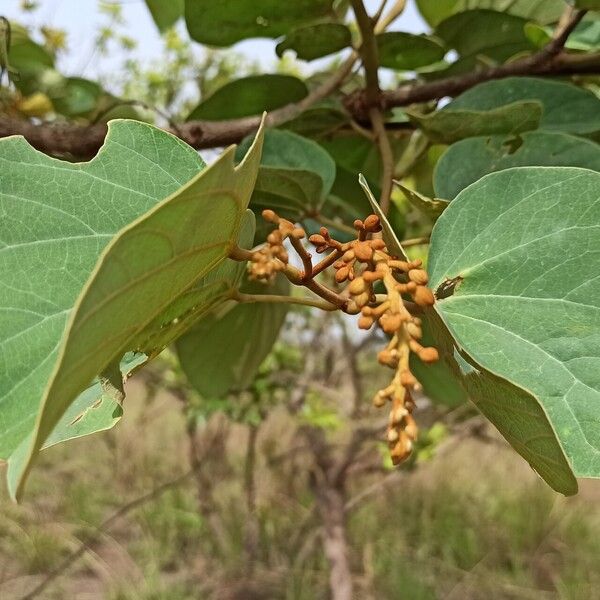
[[257, 495]]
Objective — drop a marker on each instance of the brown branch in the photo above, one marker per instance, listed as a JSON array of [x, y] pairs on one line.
[[83, 141]]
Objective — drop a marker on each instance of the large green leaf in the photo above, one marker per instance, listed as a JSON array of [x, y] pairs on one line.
[[485, 32], [516, 414], [315, 41], [143, 271], [250, 96], [467, 161], [223, 23], [223, 352], [56, 219], [165, 14], [515, 260], [450, 125], [542, 11], [405, 51], [295, 176], [582, 116]]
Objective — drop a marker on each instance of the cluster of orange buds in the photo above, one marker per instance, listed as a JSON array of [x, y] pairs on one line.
[[267, 261], [364, 262]]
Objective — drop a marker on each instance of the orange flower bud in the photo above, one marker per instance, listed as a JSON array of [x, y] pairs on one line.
[[428, 355], [363, 251], [423, 296], [342, 274], [270, 215], [365, 322], [358, 286], [419, 276], [372, 224]]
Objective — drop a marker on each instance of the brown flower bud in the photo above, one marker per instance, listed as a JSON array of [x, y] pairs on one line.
[[342, 274], [392, 435], [362, 299], [317, 239], [365, 322], [358, 286], [275, 237], [377, 244], [414, 331], [363, 251], [372, 224], [298, 233], [379, 399], [390, 323], [270, 215], [358, 225], [407, 379], [410, 427], [348, 256], [428, 355], [423, 296], [419, 276]]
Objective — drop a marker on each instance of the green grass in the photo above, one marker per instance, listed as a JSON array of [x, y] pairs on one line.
[[472, 523]]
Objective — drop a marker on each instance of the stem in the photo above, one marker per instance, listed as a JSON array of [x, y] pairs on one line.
[[304, 256], [327, 262], [387, 158], [273, 298], [418, 241]]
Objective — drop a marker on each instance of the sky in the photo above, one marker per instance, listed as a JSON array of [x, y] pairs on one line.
[[80, 19]]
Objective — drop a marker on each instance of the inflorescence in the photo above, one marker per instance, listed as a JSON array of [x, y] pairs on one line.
[[361, 266]]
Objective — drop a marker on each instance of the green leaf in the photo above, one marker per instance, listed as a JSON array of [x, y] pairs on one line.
[[516, 414], [432, 207], [542, 11], [467, 161], [389, 236], [585, 37], [523, 248], [315, 41], [250, 96], [405, 51], [223, 352], [50, 241], [143, 271], [439, 381], [295, 176], [224, 23], [76, 96], [165, 14], [582, 117], [485, 32], [450, 125]]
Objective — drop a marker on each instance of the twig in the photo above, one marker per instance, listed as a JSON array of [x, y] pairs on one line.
[[418, 241], [273, 298]]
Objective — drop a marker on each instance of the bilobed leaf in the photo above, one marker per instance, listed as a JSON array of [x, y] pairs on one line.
[[315, 41], [250, 96], [514, 260], [165, 12], [406, 51], [450, 125], [295, 176], [143, 270], [468, 160], [542, 11], [224, 23], [485, 32], [389, 236], [223, 352], [432, 207], [582, 117]]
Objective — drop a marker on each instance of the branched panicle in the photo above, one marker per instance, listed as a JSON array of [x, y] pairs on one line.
[[362, 264]]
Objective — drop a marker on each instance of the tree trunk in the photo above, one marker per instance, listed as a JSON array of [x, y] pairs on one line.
[[330, 502]]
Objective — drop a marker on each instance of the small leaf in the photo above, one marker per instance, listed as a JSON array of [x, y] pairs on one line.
[[223, 352], [485, 32], [450, 125], [467, 161], [165, 14], [225, 23], [526, 305], [250, 96], [389, 237], [432, 207], [295, 176], [316, 41], [583, 116], [405, 51]]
